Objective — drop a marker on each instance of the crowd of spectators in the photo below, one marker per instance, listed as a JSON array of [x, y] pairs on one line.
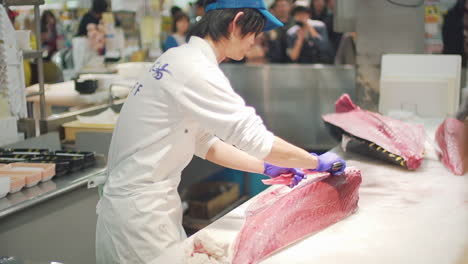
[[306, 37]]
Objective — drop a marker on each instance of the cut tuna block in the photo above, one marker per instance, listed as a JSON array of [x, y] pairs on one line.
[[378, 136], [47, 169], [449, 136], [285, 179], [32, 178], [16, 182], [282, 216]]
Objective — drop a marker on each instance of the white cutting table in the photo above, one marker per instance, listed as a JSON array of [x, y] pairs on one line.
[[403, 217], [417, 217]]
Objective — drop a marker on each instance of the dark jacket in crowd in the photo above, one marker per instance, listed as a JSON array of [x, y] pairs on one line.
[[452, 30], [277, 43]]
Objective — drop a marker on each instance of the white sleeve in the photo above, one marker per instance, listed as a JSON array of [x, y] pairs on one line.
[[210, 100], [204, 141]]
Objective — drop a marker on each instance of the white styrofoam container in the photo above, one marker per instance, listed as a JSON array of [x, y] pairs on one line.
[[131, 70], [4, 186], [9, 131], [426, 85]]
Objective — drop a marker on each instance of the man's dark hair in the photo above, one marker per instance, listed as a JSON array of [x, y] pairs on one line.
[[175, 10], [216, 22], [177, 18], [44, 20], [99, 6], [300, 9], [200, 3]]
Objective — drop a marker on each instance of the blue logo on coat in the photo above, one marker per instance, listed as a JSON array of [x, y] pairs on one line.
[[158, 70]]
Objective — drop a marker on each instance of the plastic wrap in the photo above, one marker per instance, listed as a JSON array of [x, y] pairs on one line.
[[377, 136], [450, 138]]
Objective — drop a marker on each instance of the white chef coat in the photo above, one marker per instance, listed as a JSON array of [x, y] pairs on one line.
[[178, 108]]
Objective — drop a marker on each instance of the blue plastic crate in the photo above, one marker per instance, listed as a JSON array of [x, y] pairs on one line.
[[230, 175]]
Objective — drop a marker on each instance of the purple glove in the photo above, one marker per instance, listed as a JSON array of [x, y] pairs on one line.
[[273, 171], [297, 178], [326, 163]]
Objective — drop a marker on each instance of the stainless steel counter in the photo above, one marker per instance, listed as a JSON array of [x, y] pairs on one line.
[[291, 98], [28, 197], [60, 212]]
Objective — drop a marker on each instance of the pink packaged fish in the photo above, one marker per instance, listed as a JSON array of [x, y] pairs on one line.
[[450, 138]]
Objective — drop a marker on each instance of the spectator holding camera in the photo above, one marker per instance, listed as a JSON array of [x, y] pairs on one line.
[[276, 39], [307, 41]]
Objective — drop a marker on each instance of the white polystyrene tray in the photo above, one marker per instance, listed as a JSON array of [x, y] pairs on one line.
[[4, 186], [47, 169]]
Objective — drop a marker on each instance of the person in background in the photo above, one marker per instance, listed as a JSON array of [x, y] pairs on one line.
[[319, 11], [92, 17], [276, 40], [455, 29], [308, 40], [323, 11], [49, 40], [175, 11], [49, 33], [180, 27], [199, 10]]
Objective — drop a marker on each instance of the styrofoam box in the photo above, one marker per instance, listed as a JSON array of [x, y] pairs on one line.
[[4, 186], [8, 130]]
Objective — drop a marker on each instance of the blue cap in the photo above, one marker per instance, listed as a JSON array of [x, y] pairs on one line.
[[271, 21]]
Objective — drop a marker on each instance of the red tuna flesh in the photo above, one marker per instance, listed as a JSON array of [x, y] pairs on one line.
[[287, 179], [283, 216], [400, 138], [449, 137]]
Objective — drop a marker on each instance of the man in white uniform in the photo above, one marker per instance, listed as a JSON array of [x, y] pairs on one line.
[[185, 106]]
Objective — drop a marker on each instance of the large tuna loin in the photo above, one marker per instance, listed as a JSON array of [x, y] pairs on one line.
[[450, 138], [283, 216], [375, 135]]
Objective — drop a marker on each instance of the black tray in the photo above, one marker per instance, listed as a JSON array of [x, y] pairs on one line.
[[89, 157], [62, 167], [24, 151], [19, 156], [8, 160], [76, 163]]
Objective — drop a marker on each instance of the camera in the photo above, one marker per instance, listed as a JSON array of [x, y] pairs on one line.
[[300, 23]]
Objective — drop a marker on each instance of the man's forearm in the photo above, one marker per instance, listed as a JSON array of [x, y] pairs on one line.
[[287, 155], [228, 156], [282, 154]]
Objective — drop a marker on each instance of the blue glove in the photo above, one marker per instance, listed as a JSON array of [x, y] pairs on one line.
[[274, 171], [326, 162]]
